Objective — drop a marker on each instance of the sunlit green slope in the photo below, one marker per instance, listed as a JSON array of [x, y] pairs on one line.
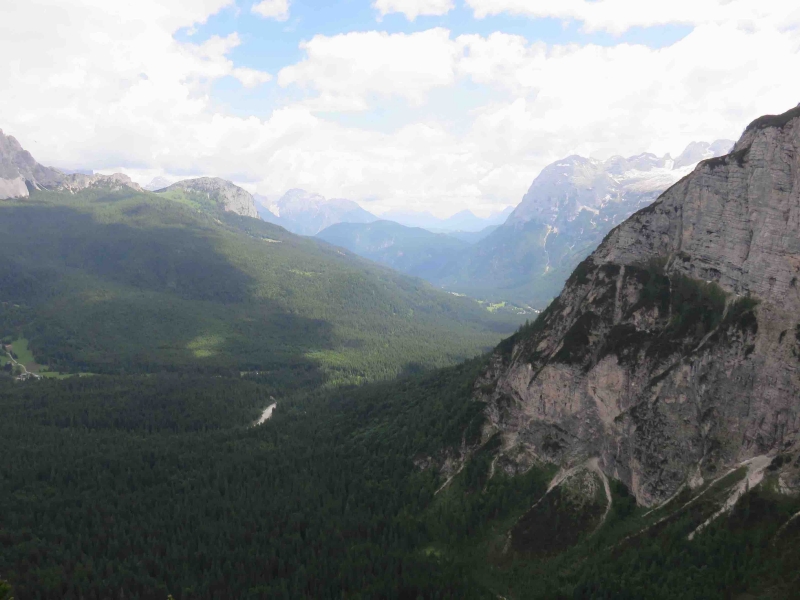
[[124, 281]]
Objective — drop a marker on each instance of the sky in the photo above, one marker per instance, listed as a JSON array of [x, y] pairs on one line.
[[437, 105]]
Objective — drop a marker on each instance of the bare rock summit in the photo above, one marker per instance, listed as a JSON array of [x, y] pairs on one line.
[[229, 196]]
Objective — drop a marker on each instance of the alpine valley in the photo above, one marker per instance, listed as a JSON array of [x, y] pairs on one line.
[[525, 259], [234, 411]]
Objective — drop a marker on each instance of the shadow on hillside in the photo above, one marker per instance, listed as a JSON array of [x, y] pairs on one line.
[[111, 297]]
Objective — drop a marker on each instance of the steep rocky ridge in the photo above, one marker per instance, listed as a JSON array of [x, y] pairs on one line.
[[673, 351], [20, 174], [228, 196], [19, 170], [567, 211]]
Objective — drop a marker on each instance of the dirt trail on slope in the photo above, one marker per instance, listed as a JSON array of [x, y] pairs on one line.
[[755, 473], [266, 415]]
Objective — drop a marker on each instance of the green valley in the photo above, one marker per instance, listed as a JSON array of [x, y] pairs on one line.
[[121, 281]]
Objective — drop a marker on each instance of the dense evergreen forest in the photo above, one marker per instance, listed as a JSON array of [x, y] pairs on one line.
[[147, 477], [139, 487]]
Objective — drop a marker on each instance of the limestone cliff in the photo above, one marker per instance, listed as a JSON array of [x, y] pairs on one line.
[[673, 352], [20, 174], [228, 196]]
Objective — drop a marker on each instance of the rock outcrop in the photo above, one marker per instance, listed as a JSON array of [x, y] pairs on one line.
[[20, 174], [673, 351], [229, 197], [79, 181]]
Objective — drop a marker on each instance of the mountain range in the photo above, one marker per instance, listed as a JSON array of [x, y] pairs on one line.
[[272, 416], [20, 174], [463, 221], [108, 272], [305, 213], [567, 211]]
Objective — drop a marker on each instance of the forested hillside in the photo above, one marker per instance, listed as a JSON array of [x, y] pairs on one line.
[[113, 282], [227, 410], [144, 487], [410, 250]]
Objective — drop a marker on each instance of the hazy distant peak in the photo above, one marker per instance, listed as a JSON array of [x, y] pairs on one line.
[[573, 184], [308, 213], [697, 151], [158, 183]]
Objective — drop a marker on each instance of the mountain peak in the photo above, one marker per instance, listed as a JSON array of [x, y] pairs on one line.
[[308, 213], [575, 183], [230, 196], [697, 151], [158, 183]]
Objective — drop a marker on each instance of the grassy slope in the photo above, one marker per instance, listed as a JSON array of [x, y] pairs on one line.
[[140, 282]]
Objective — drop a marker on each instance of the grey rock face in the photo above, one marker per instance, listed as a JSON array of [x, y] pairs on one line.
[[20, 174], [230, 197], [673, 351], [17, 167], [79, 181]]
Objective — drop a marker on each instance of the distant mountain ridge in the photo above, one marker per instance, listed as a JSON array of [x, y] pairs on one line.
[[186, 284], [20, 174], [306, 213], [463, 221], [567, 211]]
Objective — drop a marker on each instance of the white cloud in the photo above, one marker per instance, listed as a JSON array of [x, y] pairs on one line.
[[414, 8], [628, 98], [272, 9], [345, 70], [111, 89], [250, 77], [618, 16]]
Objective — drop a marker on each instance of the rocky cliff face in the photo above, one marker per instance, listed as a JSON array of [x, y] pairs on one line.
[[20, 174], [673, 351], [230, 197]]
